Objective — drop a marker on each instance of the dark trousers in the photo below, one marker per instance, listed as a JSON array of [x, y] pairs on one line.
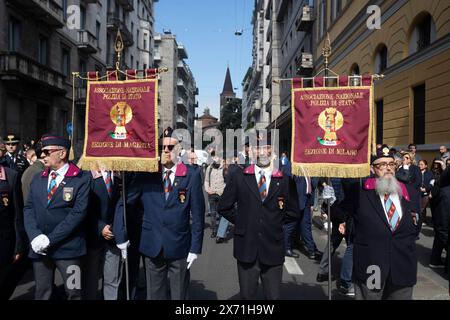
[[10, 276], [388, 291], [44, 274], [92, 264], [164, 274], [213, 202], [305, 228], [250, 273]]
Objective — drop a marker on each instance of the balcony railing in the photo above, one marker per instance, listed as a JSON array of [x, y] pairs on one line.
[[306, 20], [183, 68], [127, 5], [87, 42], [113, 23], [14, 66], [182, 53], [47, 12]]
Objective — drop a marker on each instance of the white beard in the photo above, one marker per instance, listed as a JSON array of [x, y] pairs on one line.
[[388, 186]]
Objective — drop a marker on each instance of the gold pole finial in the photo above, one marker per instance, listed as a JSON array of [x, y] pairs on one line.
[[118, 46], [326, 50]]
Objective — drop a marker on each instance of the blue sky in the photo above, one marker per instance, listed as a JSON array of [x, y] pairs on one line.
[[206, 28]]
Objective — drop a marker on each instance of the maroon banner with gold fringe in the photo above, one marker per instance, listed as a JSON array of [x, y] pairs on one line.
[[121, 131], [332, 128]]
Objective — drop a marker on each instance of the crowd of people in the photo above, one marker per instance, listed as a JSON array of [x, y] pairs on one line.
[[56, 216]]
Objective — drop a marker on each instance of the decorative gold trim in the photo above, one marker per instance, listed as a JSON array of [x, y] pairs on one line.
[[121, 163], [336, 170]]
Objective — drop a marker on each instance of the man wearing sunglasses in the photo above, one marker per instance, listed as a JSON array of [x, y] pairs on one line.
[[54, 215], [169, 242], [14, 159], [386, 222]]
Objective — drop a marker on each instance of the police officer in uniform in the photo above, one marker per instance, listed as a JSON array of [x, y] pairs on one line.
[[54, 214], [12, 234], [14, 159], [169, 242], [266, 199]]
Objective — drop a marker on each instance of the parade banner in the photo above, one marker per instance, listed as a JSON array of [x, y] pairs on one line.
[[121, 131], [332, 128]]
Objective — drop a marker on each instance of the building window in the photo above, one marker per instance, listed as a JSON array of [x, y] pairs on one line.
[[423, 34], [131, 61], [137, 65], [82, 18], [379, 114], [145, 66], [13, 34], [381, 59], [145, 41], [419, 114], [137, 38], [65, 62], [43, 50], [64, 8], [97, 32]]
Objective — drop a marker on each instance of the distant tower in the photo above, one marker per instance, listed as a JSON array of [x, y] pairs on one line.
[[227, 92]]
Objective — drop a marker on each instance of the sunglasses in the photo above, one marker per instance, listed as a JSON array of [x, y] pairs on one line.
[[169, 146], [48, 152], [11, 144]]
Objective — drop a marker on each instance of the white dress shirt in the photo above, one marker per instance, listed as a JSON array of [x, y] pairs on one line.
[[105, 173], [396, 200], [267, 174], [172, 174], [61, 172]]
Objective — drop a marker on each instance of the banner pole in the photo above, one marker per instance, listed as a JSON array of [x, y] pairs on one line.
[[326, 52], [124, 198]]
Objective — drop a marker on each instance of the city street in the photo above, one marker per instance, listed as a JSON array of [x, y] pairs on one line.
[[214, 274]]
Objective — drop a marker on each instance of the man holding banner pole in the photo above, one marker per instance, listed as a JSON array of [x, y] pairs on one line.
[[170, 243]]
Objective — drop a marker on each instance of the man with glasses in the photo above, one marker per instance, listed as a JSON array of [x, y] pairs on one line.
[[169, 242], [54, 214], [386, 221], [14, 159]]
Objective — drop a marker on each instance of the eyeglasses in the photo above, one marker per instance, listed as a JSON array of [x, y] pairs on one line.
[[11, 144], [169, 146], [48, 152], [384, 165]]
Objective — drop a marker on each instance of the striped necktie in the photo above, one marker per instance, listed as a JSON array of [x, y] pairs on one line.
[[51, 187], [262, 185], [108, 182], [167, 183], [393, 216]]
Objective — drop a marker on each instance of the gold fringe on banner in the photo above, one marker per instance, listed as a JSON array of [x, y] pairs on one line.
[[336, 170], [331, 170], [119, 164]]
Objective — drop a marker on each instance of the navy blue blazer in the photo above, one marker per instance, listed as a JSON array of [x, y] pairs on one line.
[[258, 224], [101, 208], [166, 226], [13, 239], [374, 242], [62, 219]]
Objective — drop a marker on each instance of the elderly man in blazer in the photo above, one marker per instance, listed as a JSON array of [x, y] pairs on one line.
[[54, 213], [169, 242], [386, 219], [266, 199]]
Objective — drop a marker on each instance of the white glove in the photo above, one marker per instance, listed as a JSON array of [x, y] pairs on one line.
[[40, 243], [328, 193], [190, 259], [123, 249]]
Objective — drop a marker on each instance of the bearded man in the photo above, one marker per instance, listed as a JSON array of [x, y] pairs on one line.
[[386, 226]]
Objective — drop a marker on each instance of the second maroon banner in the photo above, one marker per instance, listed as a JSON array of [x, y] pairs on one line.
[[332, 131]]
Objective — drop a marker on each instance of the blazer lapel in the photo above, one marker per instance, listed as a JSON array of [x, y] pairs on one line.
[[405, 213], [58, 190], [43, 190], [174, 190], [273, 187], [250, 180], [376, 202]]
